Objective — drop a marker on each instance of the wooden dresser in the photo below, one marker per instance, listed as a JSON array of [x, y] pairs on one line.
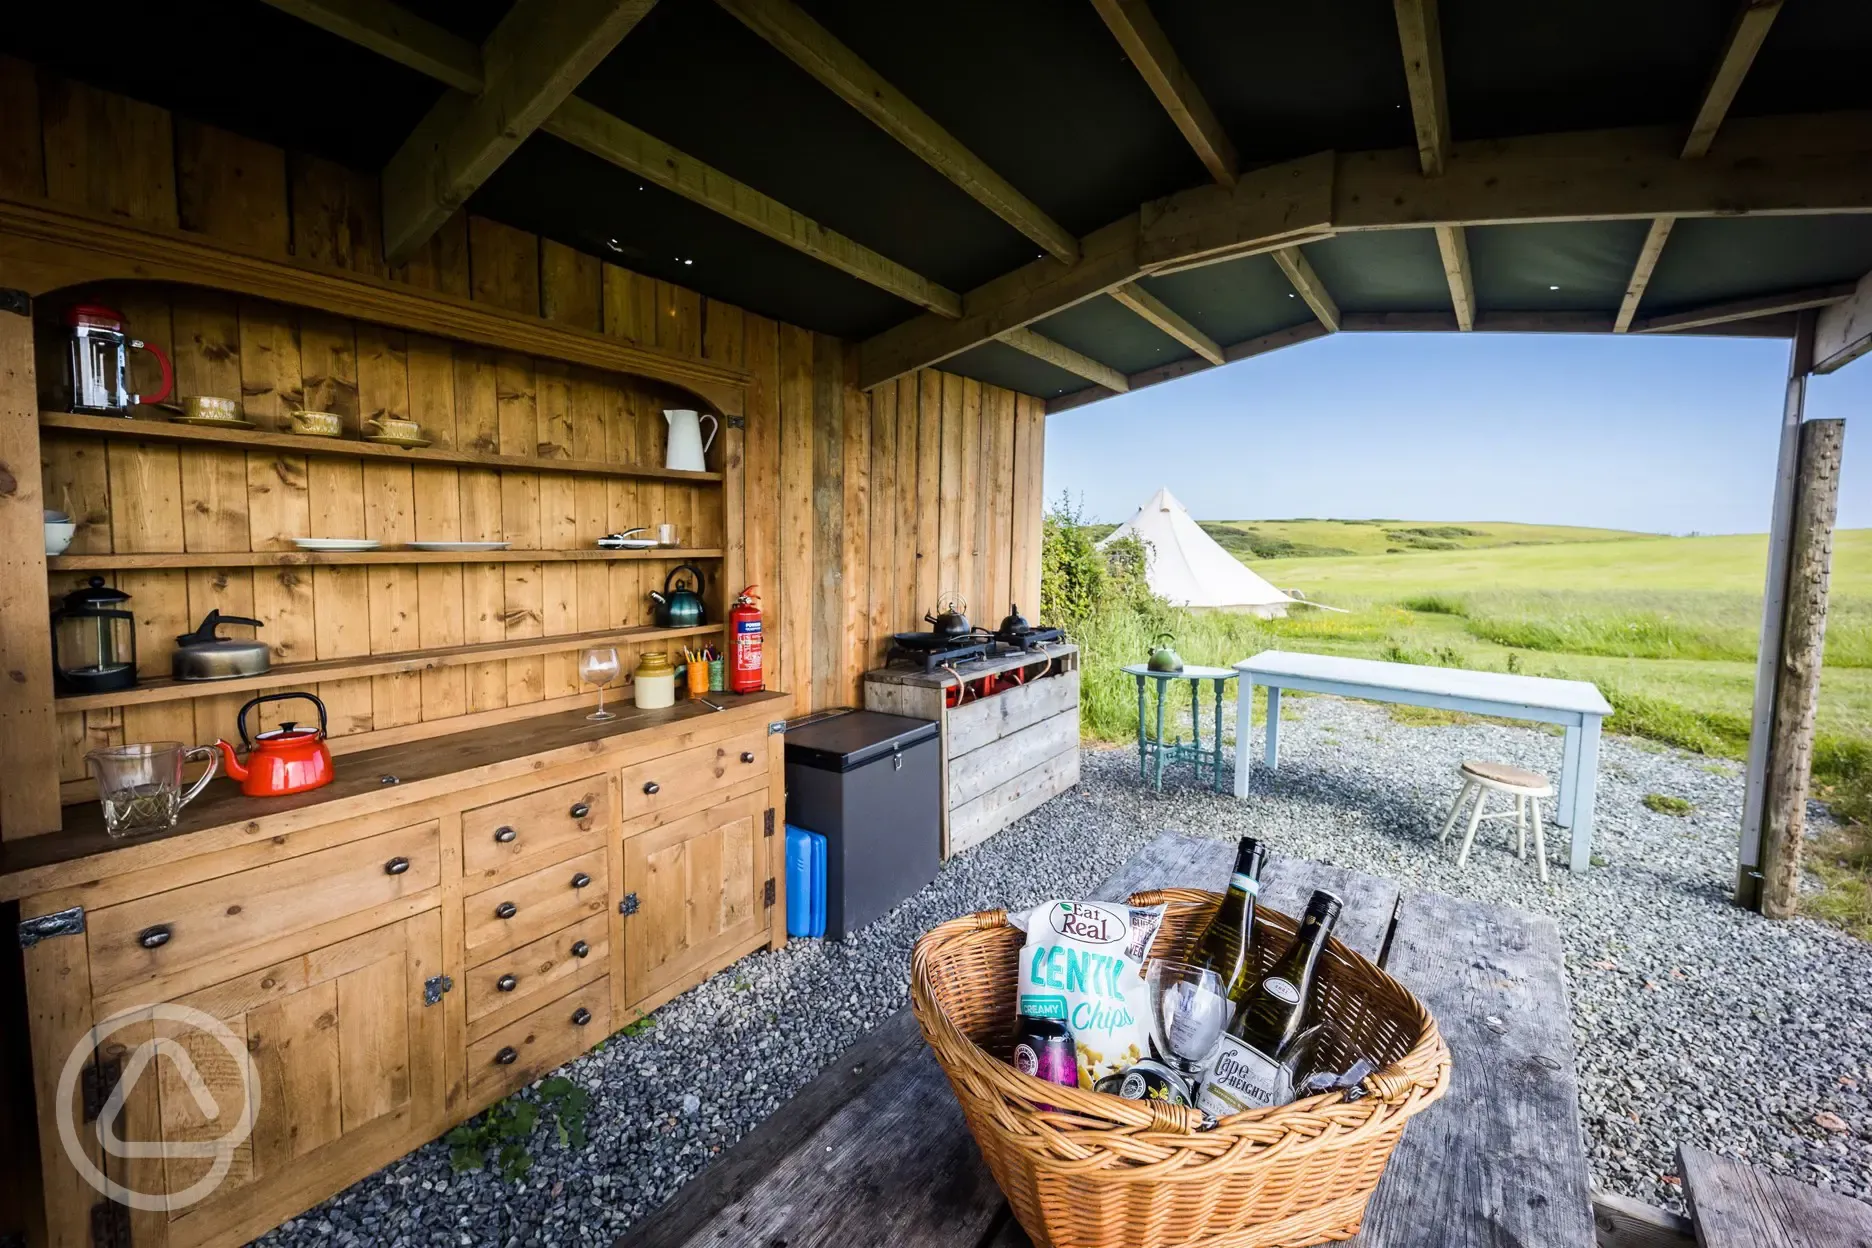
[[444, 923]]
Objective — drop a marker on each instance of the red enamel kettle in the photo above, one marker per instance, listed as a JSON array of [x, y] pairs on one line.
[[289, 759]]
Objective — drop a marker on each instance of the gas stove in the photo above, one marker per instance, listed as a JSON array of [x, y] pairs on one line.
[[964, 649], [1031, 638]]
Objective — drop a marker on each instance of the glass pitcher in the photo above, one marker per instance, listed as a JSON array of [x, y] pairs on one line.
[[140, 786]]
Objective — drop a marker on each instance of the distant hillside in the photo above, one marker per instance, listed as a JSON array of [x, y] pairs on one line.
[[1249, 540]]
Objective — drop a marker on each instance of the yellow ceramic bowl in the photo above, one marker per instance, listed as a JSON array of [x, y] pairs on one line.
[[317, 424], [208, 407]]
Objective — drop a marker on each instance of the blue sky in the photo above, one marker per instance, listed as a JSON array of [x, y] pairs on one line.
[[1663, 434]]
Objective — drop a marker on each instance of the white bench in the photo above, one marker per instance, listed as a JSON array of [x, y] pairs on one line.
[[1574, 704]]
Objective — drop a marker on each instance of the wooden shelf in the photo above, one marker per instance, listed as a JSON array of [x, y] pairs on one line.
[[259, 439], [312, 558], [166, 690]]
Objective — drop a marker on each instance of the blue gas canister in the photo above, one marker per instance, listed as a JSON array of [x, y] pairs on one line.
[[805, 882]]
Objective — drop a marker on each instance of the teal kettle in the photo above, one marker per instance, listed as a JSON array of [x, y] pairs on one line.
[[680, 606]]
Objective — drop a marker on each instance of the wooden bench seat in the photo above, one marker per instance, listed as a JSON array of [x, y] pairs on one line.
[[1736, 1205]]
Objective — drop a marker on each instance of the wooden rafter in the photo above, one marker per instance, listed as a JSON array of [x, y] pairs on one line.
[[1154, 310], [1746, 34], [532, 62], [1306, 331], [409, 40], [622, 144], [1422, 42], [1307, 284], [396, 34], [1059, 355], [1746, 309], [1843, 331], [1143, 40], [814, 49], [1453, 247]]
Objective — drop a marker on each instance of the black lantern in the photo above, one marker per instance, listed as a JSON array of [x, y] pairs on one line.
[[94, 641]]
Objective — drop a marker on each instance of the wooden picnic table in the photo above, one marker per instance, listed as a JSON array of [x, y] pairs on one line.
[[1575, 705], [875, 1150]]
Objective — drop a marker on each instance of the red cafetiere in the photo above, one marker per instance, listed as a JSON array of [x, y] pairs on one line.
[[289, 759]]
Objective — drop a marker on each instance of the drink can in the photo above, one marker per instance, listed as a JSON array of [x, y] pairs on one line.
[[1043, 1048]]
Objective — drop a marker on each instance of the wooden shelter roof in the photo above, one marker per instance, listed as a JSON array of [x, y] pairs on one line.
[[898, 174]]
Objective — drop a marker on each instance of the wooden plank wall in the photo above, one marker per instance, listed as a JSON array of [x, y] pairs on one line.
[[850, 510]]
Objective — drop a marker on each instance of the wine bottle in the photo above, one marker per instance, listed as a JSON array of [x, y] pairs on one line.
[[1255, 1065], [1226, 942]]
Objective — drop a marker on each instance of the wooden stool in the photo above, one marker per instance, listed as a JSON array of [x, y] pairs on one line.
[[1526, 787]]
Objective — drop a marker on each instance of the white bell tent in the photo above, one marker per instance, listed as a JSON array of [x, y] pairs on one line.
[[1189, 568]]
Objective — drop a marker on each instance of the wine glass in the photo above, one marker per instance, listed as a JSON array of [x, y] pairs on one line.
[[1188, 1013], [599, 666]]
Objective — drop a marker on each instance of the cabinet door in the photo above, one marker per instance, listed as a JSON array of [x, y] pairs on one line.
[[344, 1063], [699, 884]]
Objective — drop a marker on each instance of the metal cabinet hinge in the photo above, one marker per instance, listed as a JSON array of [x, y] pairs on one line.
[[777, 727], [434, 987], [17, 302], [767, 822], [58, 923], [737, 422], [97, 1081], [767, 895], [629, 905], [110, 1225]]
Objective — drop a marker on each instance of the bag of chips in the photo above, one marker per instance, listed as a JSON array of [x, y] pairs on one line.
[[1082, 965]]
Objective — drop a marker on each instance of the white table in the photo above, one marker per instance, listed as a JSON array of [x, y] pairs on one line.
[[1574, 704]]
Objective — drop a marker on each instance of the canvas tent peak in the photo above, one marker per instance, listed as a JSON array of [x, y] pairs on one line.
[[1187, 567]]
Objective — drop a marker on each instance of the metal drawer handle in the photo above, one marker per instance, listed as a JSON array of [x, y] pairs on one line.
[[747, 756], [396, 866], [580, 880], [506, 910], [154, 937], [581, 1016], [580, 949], [581, 809], [504, 834], [507, 1056], [507, 983], [652, 788]]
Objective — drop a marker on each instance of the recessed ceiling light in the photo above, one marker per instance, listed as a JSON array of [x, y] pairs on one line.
[[1553, 288], [614, 245], [692, 262], [1290, 294]]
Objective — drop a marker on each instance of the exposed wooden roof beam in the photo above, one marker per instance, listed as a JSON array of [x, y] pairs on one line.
[[1648, 254], [1059, 355], [396, 34], [540, 51], [1422, 42], [1308, 285], [411, 41], [1144, 41], [1767, 165], [1745, 39], [1843, 331], [1746, 309], [1452, 243], [1154, 310], [814, 49], [624, 145], [1752, 21], [1306, 331]]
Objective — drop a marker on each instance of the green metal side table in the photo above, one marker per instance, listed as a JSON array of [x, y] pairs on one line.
[[1154, 751]]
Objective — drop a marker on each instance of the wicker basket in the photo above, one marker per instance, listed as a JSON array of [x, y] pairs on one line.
[[1085, 1170]]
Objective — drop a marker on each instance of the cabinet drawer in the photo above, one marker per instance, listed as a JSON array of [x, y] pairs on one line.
[[667, 782], [548, 1037], [157, 935], [550, 964], [502, 918], [496, 836]]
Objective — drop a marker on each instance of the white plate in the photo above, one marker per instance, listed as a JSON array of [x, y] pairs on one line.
[[629, 543], [334, 543], [457, 546]]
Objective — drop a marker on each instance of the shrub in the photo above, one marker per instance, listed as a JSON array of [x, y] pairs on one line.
[[1664, 804], [1072, 572], [1435, 604]]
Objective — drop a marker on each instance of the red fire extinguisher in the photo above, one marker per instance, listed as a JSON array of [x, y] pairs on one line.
[[744, 643]]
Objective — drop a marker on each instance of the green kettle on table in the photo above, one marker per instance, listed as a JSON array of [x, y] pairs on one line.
[[1164, 657]]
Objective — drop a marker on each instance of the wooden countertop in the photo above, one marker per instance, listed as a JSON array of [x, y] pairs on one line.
[[82, 851], [974, 669]]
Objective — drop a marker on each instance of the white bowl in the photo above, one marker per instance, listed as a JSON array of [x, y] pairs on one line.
[[58, 536]]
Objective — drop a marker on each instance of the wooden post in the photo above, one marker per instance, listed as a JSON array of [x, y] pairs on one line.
[[1797, 692], [29, 796], [1774, 596]]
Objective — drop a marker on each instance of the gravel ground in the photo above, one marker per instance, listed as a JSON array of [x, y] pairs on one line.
[[1694, 1021]]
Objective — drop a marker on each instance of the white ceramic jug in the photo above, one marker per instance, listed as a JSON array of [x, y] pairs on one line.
[[686, 447]]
